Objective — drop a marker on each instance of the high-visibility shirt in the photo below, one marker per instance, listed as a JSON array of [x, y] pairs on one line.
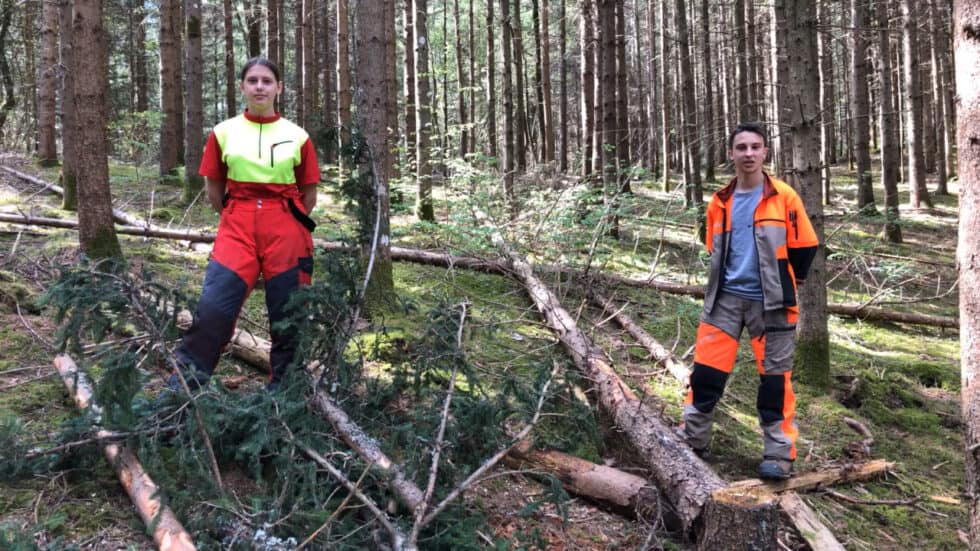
[[784, 239], [260, 156]]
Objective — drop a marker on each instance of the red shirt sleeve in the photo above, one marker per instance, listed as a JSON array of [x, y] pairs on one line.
[[308, 169], [211, 164]]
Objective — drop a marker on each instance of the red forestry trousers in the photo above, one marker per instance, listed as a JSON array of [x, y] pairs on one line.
[[266, 236], [773, 336]]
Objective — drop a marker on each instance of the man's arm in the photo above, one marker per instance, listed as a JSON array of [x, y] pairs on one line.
[[801, 239], [216, 193], [308, 197]]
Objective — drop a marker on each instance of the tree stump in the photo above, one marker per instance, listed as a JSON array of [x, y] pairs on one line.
[[739, 519]]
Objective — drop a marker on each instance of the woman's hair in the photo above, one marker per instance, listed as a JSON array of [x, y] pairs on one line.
[[259, 60]]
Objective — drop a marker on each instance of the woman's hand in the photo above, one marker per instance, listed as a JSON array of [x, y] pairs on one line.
[[216, 193]]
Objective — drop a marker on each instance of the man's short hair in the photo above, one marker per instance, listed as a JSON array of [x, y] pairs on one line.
[[753, 127]]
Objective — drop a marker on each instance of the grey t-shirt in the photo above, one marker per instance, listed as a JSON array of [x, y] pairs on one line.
[[742, 267]]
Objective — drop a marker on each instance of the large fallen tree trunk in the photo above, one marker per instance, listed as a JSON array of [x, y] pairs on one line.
[[685, 479], [168, 533], [623, 491], [144, 231]]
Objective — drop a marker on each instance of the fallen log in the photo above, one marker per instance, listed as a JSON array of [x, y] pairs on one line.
[[820, 479], [624, 491], [657, 351], [144, 231], [681, 475], [168, 533], [808, 524]]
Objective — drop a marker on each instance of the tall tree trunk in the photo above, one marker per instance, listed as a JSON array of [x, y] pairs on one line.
[[693, 195], [329, 115], [966, 39], [311, 95], [588, 47], [860, 110], [562, 92], [827, 103], [521, 142], [423, 114], [372, 114], [622, 135], [169, 85], [69, 119], [949, 87], [709, 100], [411, 133], [754, 89], [231, 91], [141, 76], [299, 51], [29, 15], [664, 94], [936, 46], [179, 90], [508, 99], [253, 27], [538, 84], [194, 116], [391, 71], [742, 67], [272, 32], [343, 82], [548, 133], [812, 361], [491, 85], [606, 94], [888, 120], [653, 103], [96, 230], [916, 177], [47, 146], [471, 51], [461, 84]]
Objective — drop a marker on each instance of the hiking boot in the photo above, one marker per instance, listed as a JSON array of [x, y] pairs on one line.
[[703, 453], [775, 469]]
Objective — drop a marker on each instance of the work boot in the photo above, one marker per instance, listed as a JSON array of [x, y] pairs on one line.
[[681, 433], [775, 469]]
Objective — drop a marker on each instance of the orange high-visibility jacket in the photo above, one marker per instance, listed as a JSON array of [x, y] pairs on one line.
[[784, 239]]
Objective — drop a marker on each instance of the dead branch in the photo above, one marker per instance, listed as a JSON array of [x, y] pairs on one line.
[[808, 524], [858, 501], [168, 533], [656, 350], [144, 231]]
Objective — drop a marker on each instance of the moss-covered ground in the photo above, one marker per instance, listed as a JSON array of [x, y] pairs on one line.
[[900, 381]]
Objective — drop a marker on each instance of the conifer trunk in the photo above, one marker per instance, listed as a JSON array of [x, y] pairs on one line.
[[916, 175], [860, 110], [508, 100], [491, 85], [272, 33], [69, 121], [194, 116], [231, 91], [587, 45], [169, 85], [966, 38], [423, 114], [888, 121], [47, 149]]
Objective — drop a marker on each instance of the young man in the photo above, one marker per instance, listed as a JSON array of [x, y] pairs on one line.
[[761, 244]]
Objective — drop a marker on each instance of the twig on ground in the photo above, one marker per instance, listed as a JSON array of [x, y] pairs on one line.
[[96, 440], [47, 344], [336, 511], [858, 501]]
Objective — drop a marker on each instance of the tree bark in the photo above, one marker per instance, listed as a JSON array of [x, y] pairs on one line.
[[231, 91], [424, 209], [521, 142], [311, 95], [966, 40], [860, 111], [168, 533], [372, 113], [194, 116], [622, 135], [343, 82], [888, 121], [299, 51], [938, 128], [140, 75], [461, 84], [96, 234], [916, 175], [725, 516], [812, 361], [587, 62], [665, 127], [808, 524], [47, 149], [741, 67], [508, 99], [272, 33], [709, 100], [693, 195], [548, 133], [562, 92], [69, 119], [169, 85]]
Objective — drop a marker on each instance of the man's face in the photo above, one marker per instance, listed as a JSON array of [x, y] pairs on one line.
[[748, 152]]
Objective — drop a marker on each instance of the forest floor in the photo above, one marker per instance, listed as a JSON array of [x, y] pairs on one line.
[[900, 381]]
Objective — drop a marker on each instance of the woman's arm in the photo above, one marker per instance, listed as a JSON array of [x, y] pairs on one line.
[[308, 197], [216, 193]]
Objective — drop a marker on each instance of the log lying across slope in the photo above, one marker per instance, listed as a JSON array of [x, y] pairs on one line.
[[689, 483], [168, 533]]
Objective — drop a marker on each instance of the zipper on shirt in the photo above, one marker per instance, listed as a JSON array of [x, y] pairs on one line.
[[272, 150], [260, 140]]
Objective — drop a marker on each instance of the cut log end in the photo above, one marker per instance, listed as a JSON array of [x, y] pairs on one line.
[[739, 518]]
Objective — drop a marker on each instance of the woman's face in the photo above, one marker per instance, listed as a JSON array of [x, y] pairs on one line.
[[260, 89]]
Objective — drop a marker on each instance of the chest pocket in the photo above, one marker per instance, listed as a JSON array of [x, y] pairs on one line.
[[282, 153]]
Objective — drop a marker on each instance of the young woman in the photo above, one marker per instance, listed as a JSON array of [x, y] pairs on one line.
[[261, 172]]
